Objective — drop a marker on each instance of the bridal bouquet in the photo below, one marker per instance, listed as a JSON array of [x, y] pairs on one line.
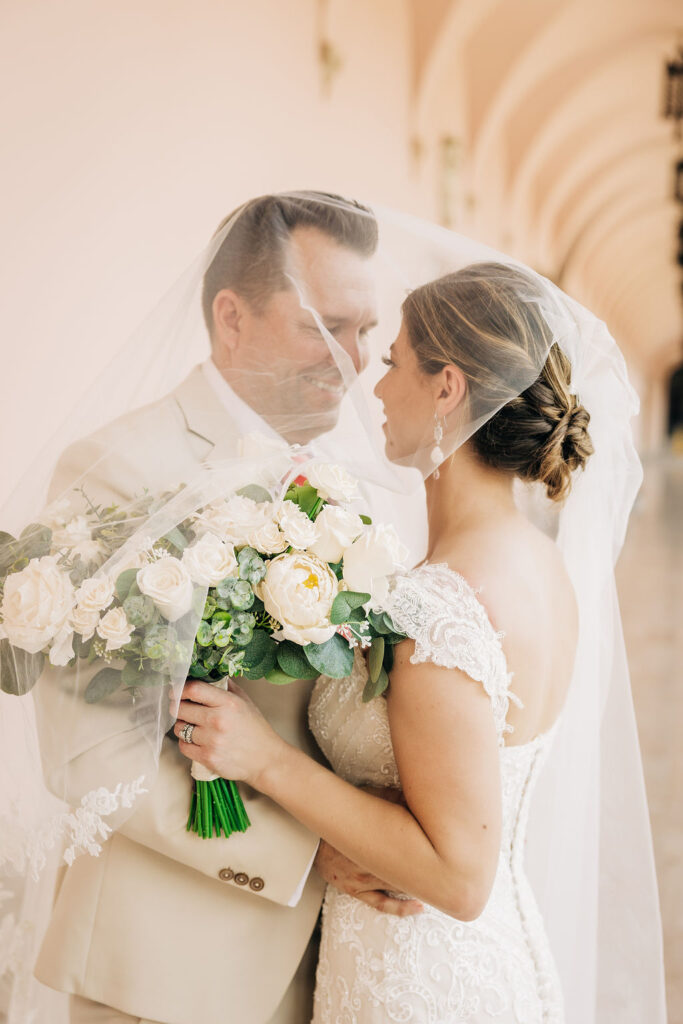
[[286, 590]]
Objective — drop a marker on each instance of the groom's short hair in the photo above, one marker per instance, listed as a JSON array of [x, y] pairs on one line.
[[250, 259]]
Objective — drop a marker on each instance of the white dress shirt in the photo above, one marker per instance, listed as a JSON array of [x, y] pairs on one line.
[[248, 422]]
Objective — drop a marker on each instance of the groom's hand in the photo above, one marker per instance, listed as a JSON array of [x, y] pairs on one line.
[[348, 877]]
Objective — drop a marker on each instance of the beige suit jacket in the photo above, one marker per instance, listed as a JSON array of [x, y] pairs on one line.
[[164, 925]]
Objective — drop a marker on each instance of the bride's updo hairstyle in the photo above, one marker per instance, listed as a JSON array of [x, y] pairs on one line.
[[484, 320]]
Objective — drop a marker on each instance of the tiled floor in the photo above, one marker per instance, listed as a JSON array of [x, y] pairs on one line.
[[650, 580]]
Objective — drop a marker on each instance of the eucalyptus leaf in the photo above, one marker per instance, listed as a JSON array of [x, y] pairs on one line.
[[19, 670], [255, 492], [103, 684], [377, 688], [346, 602], [176, 538], [278, 677], [124, 582], [293, 661], [334, 658], [375, 658]]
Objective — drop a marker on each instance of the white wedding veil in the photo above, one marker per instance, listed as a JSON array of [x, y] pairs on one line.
[[340, 271]]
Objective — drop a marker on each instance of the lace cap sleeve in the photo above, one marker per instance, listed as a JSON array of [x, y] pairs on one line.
[[440, 611]]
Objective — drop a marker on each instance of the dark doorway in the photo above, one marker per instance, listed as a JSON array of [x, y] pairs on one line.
[[676, 401]]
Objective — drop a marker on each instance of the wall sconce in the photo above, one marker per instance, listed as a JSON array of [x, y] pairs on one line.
[[673, 91], [450, 153], [678, 182], [330, 60]]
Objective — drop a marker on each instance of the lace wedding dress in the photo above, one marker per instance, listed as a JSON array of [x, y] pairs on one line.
[[431, 968]]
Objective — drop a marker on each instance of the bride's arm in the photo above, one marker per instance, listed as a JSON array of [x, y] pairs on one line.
[[443, 847]]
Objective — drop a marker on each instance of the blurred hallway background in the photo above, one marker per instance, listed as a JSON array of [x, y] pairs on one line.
[[537, 126]]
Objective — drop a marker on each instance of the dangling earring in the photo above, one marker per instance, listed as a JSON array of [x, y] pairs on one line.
[[437, 455]]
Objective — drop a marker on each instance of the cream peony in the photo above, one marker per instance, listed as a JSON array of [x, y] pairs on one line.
[[331, 481], [96, 594], [234, 519], [168, 583], [337, 529], [115, 628], [298, 591], [36, 604], [371, 559], [298, 529], [268, 539], [209, 560]]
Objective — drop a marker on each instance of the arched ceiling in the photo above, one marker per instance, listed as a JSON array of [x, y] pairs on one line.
[[563, 99]]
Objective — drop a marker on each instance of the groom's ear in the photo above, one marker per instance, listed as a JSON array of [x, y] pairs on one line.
[[451, 389], [228, 309]]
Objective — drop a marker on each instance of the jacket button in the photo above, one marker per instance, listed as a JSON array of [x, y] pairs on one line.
[[226, 874], [241, 878], [257, 884]]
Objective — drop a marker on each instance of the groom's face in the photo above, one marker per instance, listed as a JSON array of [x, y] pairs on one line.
[[286, 365]]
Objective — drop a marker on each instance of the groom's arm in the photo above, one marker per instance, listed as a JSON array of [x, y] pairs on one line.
[[86, 746]]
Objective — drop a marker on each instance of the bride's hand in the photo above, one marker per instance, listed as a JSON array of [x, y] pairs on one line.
[[231, 737]]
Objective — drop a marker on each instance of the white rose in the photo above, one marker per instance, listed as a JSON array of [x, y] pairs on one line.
[[337, 528], [168, 583], [36, 604], [96, 594], [84, 621], [268, 539], [209, 560], [115, 628], [331, 481], [62, 648], [298, 591], [298, 529], [232, 520], [371, 559]]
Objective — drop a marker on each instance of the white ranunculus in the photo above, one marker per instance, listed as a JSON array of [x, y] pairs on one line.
[[96, 594], [168, 583], [371, 559], [332, 482], [209, 560], [62, 647], [232, 520], [115, 628], [36, 604], [299, 530], [337, 528], [298, 591], [84, 621], [268, 539]]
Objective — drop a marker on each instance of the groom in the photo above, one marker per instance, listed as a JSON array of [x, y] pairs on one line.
[[162, 926]]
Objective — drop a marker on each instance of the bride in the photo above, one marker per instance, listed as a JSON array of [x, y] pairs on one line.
[[475, 695]]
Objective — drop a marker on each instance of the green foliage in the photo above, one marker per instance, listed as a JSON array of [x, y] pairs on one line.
[[292, 660], [345, 604], [334, 658], [19, 671], [124, 582], [103, 684]]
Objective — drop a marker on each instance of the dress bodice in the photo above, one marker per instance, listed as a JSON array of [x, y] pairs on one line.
[[506, 946]]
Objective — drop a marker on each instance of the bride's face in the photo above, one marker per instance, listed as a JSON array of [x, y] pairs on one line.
[[409, 399]]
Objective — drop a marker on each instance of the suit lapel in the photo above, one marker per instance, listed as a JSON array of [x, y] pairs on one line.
[[206, 416]]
